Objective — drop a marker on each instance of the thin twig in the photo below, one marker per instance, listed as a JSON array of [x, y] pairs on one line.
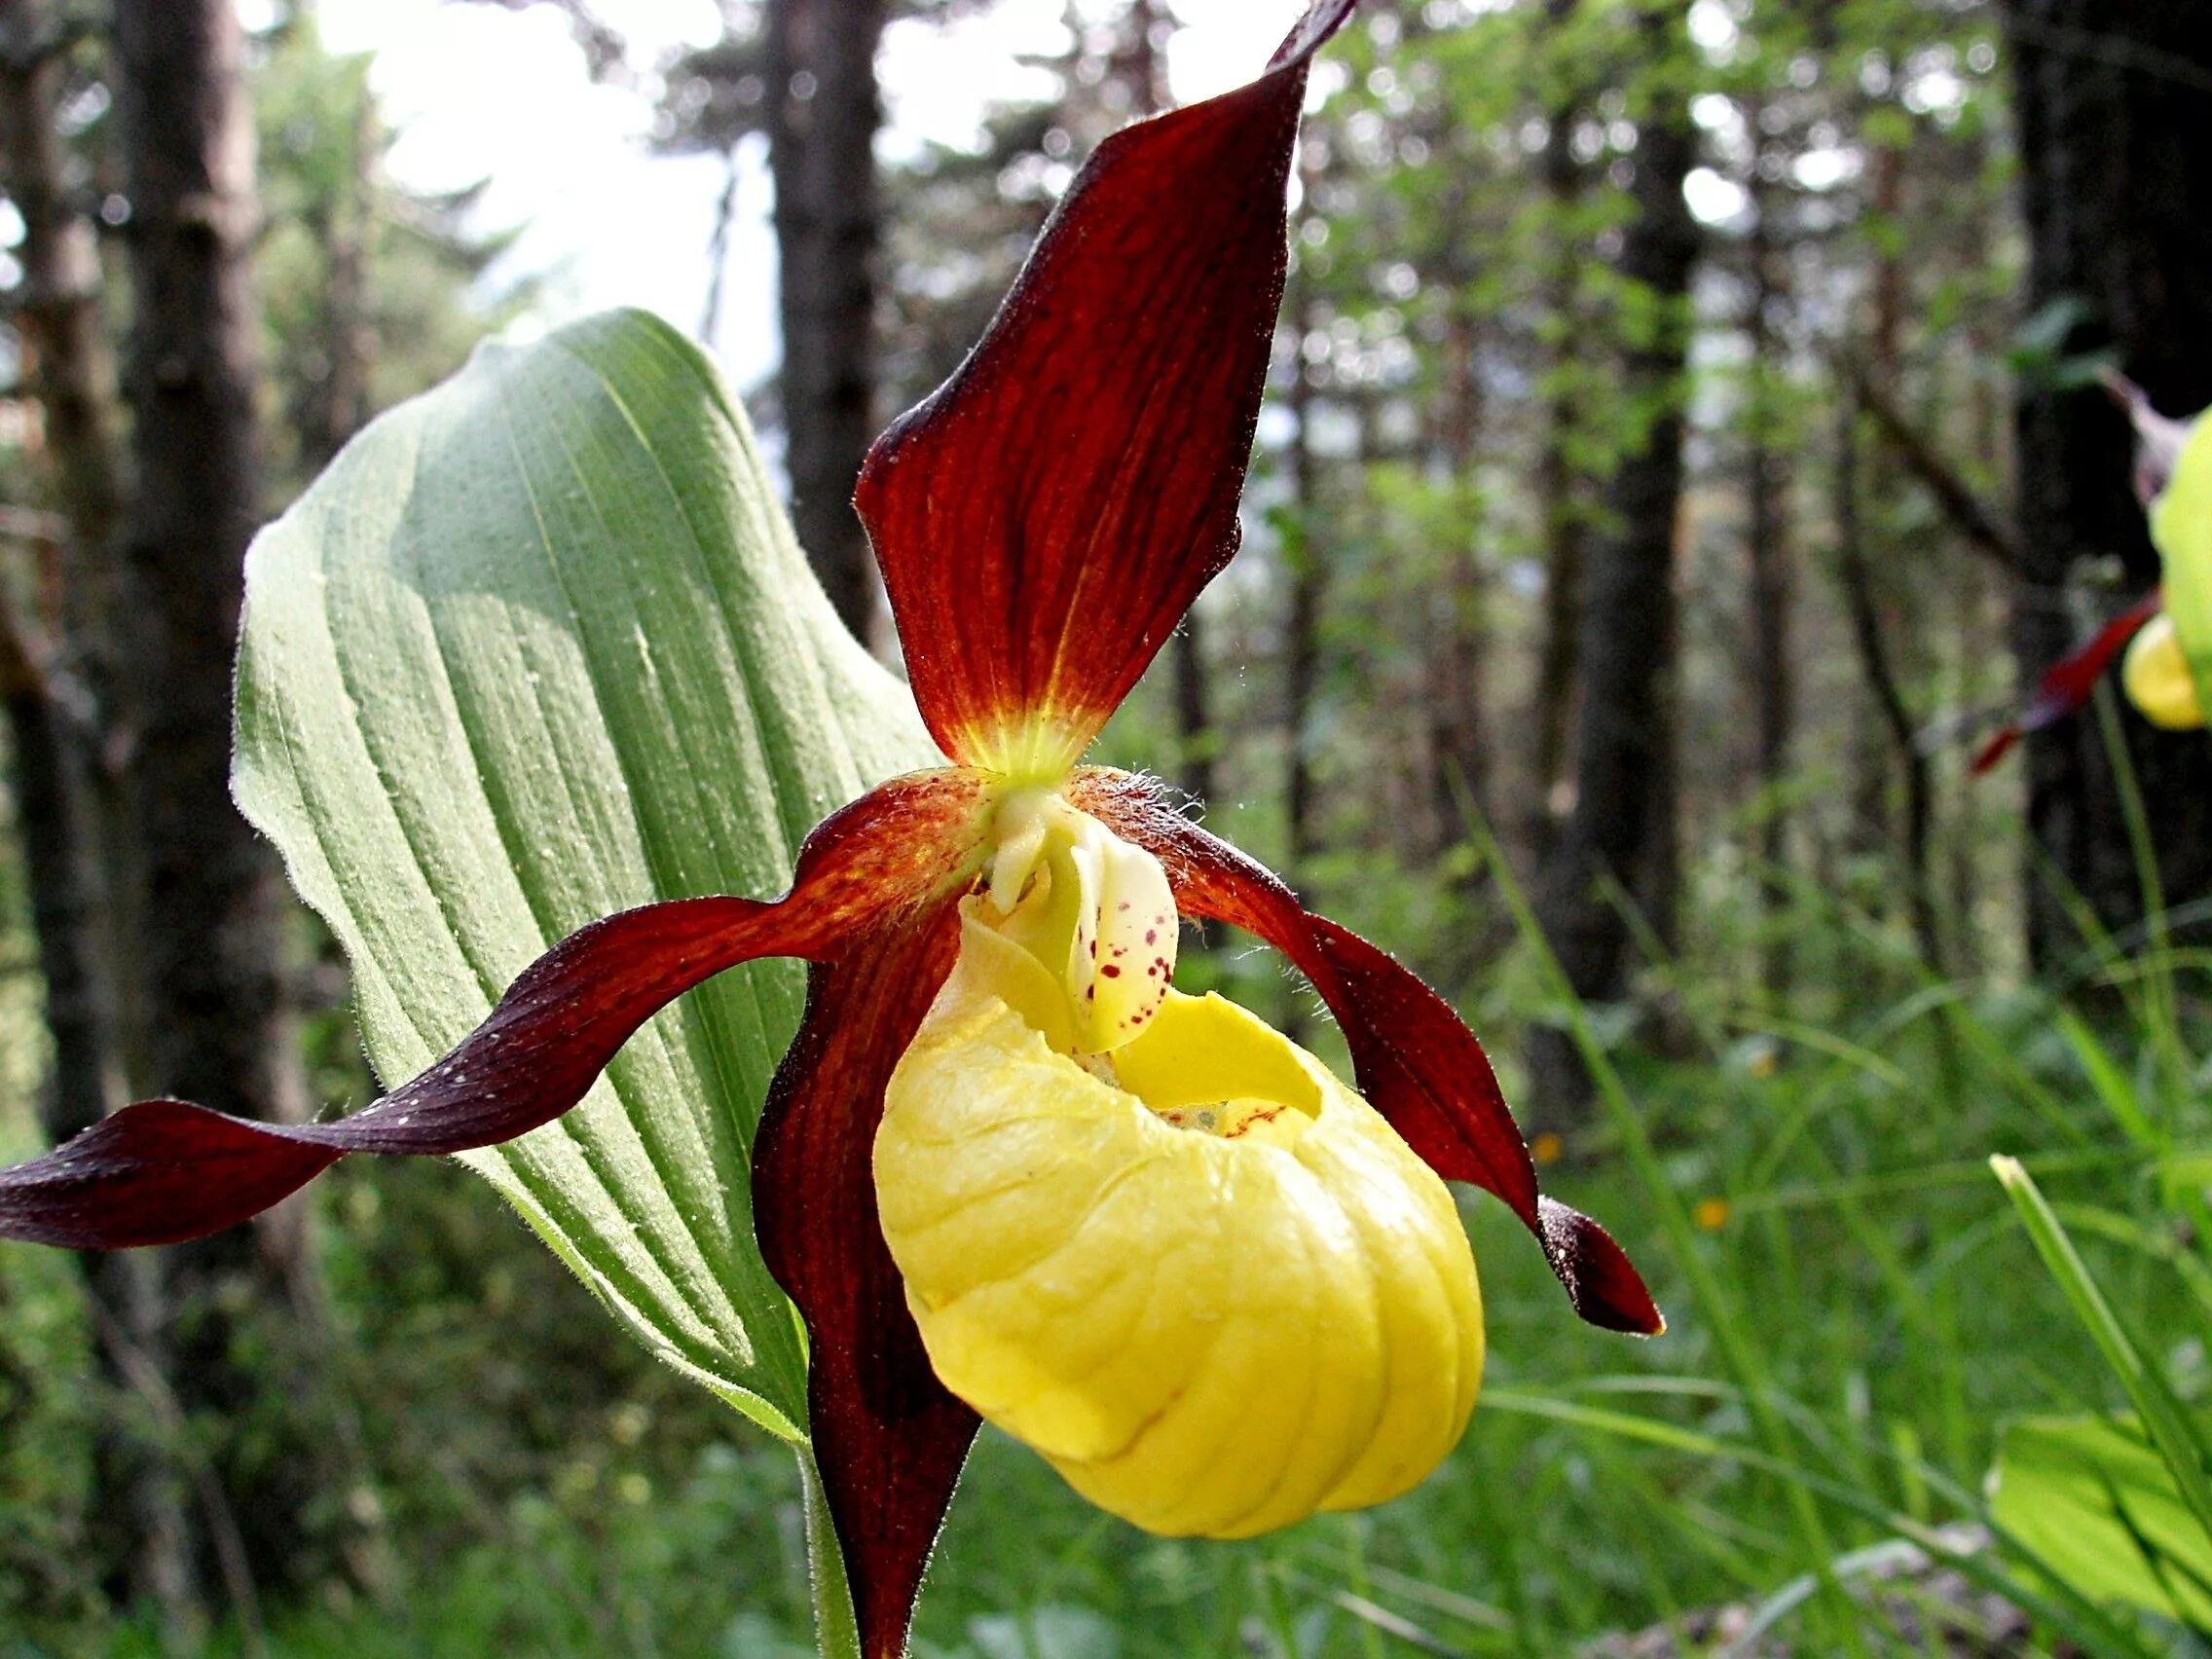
[[1971, 516]]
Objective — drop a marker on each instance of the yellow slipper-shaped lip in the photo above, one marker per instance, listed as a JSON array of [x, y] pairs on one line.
[[1200, 1276]]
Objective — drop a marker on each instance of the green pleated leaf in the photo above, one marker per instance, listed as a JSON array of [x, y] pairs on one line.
[[539, 646], [2098, 1507]]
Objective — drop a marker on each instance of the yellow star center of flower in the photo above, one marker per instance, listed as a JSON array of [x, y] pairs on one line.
[[1093, 911]]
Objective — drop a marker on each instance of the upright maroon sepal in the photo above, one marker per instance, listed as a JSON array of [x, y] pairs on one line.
[[1046, 517]]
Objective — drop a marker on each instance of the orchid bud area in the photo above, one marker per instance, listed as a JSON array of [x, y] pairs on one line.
[[1148, 1236]]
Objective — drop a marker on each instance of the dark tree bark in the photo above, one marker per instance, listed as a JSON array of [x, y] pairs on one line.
[[70, 369], [59, 314], [1458, 730], [50, 675], [1621, 826], [1766, 550], [209, 947], [825, 111], [1856, 579], [1557, 664], [88, 1079], [1194, 713], [138, 1516], [1307, 573], [2115, 181], [345, 225], [1309, 583], [1137, 64], [1878, 382]]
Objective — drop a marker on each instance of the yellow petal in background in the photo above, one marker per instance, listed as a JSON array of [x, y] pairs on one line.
[[1204, 1279], [2157, 677], [2181, 524]]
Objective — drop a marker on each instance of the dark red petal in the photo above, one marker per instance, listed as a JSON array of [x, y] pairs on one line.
[[1045, 518], [888, 1436], [1417, 1063], [2069, 682], [164, 1170]]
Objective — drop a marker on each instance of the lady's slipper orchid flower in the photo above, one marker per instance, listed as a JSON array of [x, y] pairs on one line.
[[1004, 1168], [2173, 480]]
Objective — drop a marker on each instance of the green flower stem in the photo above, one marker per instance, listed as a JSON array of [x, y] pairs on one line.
[[836, 1632]]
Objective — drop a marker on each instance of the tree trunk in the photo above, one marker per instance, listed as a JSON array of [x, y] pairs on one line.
[[347, 225], [825, 109], [58, 315], [1557, 666], [209, 947], [1879, 388], [1193, 717], [2115, 181], [50, 675], [1136, 63], [1865, 610], [138, 1514], [1459, 738], [1309, 578], [88, 1079], [69, 367], [1767, 551], [1621, 826]]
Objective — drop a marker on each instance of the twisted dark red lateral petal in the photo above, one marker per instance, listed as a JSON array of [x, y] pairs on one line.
[[1046, 517], [164, 1170], [1417, 1063], [888, 1437], [2072, 680]]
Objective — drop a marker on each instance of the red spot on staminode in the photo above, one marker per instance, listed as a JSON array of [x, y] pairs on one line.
[[1111, 972], [1152, 936], [1266, 1116]]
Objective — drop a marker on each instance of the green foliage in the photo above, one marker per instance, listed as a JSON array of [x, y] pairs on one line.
[[538, 648], [358, 278], [2179, 1441], [2094, 1501]]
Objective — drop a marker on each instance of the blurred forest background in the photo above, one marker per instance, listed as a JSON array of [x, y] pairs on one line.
[[1685, 443]]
